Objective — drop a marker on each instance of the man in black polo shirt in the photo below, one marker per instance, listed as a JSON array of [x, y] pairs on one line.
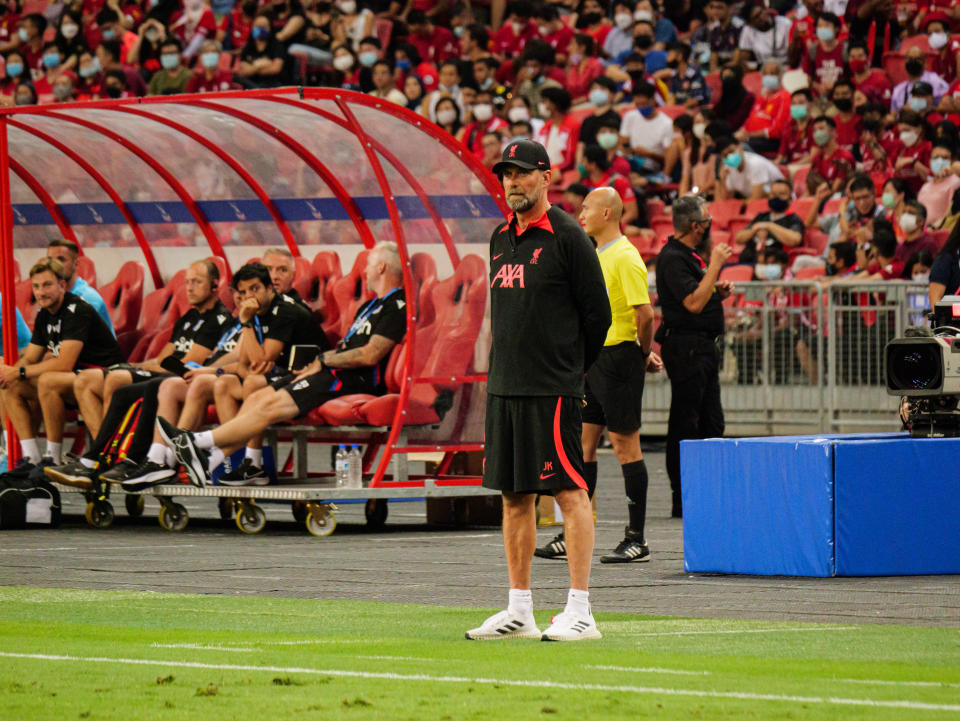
[[549, 316], [691, 299], [68, 334]]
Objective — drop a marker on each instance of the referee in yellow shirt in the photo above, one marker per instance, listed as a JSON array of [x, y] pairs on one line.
[[614, 387]]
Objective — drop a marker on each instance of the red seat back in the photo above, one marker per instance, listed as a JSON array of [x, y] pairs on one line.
[[124, 297], [737, 273], [723, 211], [160, 308], [26, 302], [326, 266], [86, 270], [350, 292], [423, 268], [304, 277], [753, 83]]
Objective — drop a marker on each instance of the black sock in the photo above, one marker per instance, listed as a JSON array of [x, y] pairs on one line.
[[635, 483], [590, 476]]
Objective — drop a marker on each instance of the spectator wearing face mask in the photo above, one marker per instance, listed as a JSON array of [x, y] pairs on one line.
[[912, 151], [770, 114], [173, 77], [510, 40], [872, 82], [209, 78], [913, 221], [772, 229], [918, 267], [52, 63], [685, 82], [946, 61], [831, 165], [89, 77], [599, 174], [111, 24], [582, 67], [559, 132], [796, 142], [108, 56], [826, 56], [923, 103], [593, 21], [14, 68], [448, 116], [715, 42], [881, 261], [602, 92], [764, 36], [448, 86], [191, 26], [70, 40], [848, 122], [25, 94], [646, 131], [114, 86], [873, 158], [916, 72], [620, 37], [744, 174], [803, 30], [262, 58], [145, 51], [483, 121], [30, 34], [64, 87], [937, 192]]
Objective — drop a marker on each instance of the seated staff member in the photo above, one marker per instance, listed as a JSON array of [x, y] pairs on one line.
[[193, 337], [67, 253], [67, 335], [356, 365], [23, 340]]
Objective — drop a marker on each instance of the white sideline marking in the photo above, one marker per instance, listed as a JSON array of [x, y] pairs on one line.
[[916, 705], [201, 647], [880, 682], [638, 669], [741, 630], [398, 658], [311, 642]]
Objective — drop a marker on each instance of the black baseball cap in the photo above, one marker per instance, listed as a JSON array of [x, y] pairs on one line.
[[525, 154]]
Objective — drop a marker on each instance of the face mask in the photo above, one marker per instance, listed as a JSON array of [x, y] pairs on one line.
[[914, 67], [260, 33], [646, 111], [62, 92], [599, 97], [114, 91], [767, 271], [643, 16], [109, 34], [607, 140], [23, 99], [14, 70], [821, 137], [778, 205], [343, 63], [169, 60], [798, 112], [518, 113], [543, 110], [699, 129], [908, 137], [937, 40], [733, 160], [348, 7], [445, 117], [705, 57], [576, 58], [888, 200], [152, 35], [447, 88], [771, 83], [921, 277], [623, 20], [486, 84], [908, 221], [210, 60], [483, 112], [844, 105], [825, 34], [69, 31], [858, 65], [368, 58], [22, 34], [918, 104], [643, 42], [459, 31], [90, 70], [938, 165], [51, 61], [517, 28]]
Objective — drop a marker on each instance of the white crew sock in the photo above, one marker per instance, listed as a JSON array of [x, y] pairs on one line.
[[54, 450], [169, 458], [255, 455], [521, 602], [6, 440], [216, 458], [578, 602], [30, 450], [158, 453], [204, 439]]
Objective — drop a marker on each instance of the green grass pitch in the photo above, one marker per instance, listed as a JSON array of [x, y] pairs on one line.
[[129, 656]]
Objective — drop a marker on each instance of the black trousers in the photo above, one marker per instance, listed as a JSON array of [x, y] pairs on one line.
[[142, 431], [692, 362]]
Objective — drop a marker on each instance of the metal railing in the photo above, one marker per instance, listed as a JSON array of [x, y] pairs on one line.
[[800, 357]]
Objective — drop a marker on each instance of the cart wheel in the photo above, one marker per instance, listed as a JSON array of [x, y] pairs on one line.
[[251, 518], [376, 512], [321, 522], [173, 517], [134, 504], [99, 514], [226, 507], [300, 512]]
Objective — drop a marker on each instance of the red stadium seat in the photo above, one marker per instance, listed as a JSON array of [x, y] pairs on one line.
[[86, 270], [817, 240], [423, 268], [755, 207], [737, 273], [349, 292], [810, 273], [801, 206], [753, 82], [940, 236], [383, 29], [832, 206], [800, 181], [326, 266], [715, 84], [16, 271], [124, 298], [893, 66], [656, 208], [674, 111], [26, 303], [304, 276], [723, 211], [915, 41]]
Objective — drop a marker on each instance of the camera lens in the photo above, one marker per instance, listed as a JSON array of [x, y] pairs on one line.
[[915, 367]]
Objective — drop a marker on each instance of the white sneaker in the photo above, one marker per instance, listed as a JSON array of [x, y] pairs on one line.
[[569, 626], [505, 625]]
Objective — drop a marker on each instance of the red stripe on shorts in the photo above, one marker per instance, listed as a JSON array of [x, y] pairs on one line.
[[561, 454]]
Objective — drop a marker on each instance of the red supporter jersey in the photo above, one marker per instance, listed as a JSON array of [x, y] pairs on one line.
[[206, 26], [577, 81], [918, 151], [944, 63], [239, 28], [876, 87], [848, 131], [560, 39], [826, 67], [615, 181], [506, 42], [890, 271], [890, 141], [8, 26], [796, 144], [440, 45], [32, 60], [218, 83], [473, 133], [837, 165], [770, 113], [599, 33]]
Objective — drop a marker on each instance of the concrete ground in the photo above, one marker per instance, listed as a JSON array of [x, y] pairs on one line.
[[408, 561]]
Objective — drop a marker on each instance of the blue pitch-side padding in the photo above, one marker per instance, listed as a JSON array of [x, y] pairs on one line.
[[250, 211], [844, 505]]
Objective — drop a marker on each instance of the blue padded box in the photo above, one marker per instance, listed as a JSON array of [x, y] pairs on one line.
[[862, 504]]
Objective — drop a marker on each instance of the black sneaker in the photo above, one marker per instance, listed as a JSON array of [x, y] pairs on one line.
[[246, 474], [632, 549], [116, 473], [145, 475], [168, 432], [557, 548], [73, 474], [193, 458], [37, 472]]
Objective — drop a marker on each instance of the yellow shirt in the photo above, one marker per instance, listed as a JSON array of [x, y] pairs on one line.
[[625, 275]]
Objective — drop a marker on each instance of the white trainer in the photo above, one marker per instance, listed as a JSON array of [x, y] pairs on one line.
[[569, 626], [505, 625]]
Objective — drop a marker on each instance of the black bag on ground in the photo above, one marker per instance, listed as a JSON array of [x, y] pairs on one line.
[[25, 502]]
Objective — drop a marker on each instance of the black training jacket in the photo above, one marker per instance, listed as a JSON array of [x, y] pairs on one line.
[[549, 307]]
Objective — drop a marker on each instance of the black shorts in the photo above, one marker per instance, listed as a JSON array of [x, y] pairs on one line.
[[137, 374], [615, 388], [532, 444], [315, 390]]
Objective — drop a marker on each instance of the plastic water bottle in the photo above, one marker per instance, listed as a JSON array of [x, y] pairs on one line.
[[342, 467], [356, 467]]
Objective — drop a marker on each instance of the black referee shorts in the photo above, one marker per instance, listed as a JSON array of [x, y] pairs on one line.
[[615, 388], [532, 444]]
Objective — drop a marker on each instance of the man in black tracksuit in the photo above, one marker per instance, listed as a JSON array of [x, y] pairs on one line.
[[549, 317], [691, 333]]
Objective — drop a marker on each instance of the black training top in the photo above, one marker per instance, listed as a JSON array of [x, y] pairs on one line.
[[77, 320], [548, 307], [387, 317], [679, 272], [204, 329], [289, 322]]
